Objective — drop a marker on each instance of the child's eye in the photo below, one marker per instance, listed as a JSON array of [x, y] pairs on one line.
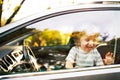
[[87, 39], [94, 40]]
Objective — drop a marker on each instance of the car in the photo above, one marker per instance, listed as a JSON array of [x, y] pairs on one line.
[[44, 40]]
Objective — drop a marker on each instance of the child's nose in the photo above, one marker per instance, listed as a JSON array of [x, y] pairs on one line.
[[91, 43]]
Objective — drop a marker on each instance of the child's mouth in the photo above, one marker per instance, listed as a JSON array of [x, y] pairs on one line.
[[90, 47]]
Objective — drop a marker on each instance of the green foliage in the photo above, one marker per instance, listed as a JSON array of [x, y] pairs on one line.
[[48, 38]]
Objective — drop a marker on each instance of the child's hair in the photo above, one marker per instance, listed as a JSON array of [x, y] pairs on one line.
[[77, 35], [85, 29]]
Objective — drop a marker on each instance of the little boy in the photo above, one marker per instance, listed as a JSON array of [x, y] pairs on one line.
[[84, 53]]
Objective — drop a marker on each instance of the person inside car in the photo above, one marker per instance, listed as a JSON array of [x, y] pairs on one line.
[[85, 53]]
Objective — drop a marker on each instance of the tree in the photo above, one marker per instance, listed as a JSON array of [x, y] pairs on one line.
[[1, 2], [16, 9]]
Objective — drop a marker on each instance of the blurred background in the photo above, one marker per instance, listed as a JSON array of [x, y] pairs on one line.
[[12, 10]]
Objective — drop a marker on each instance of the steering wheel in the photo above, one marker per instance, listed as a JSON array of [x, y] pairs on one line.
[[30, 57], [22, 67]]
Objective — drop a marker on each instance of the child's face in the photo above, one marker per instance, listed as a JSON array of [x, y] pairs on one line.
[[88, 43]]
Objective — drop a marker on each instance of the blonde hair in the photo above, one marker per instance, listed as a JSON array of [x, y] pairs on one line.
[[77, 35]]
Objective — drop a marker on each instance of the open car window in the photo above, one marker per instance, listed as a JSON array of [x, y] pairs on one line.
[[49, 41]]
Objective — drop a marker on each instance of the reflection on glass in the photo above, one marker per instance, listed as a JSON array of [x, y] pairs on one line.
[[60, 30], [50, 40]]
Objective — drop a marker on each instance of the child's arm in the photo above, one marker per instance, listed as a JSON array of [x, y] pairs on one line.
[[68, 64], [70, 59]]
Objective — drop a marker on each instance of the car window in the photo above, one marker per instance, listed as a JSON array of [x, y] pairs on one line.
[[48, 42], [61, 27]]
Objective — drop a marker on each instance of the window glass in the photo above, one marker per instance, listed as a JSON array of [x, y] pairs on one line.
[[49, 41], [58, 30]]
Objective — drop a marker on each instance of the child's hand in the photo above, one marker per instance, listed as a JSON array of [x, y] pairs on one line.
[[108, 58]]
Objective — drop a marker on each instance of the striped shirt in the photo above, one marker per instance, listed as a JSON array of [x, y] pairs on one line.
[[84, 59]]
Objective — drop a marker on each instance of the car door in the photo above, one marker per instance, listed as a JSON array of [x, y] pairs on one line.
[[45, 38]]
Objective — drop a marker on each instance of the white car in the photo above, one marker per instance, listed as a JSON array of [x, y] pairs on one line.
[[45, 38]]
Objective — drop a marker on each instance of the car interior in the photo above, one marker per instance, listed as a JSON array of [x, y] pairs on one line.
[[47, 43]]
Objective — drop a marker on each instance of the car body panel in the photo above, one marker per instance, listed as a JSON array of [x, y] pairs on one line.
[[93, 73], [63, 19]]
